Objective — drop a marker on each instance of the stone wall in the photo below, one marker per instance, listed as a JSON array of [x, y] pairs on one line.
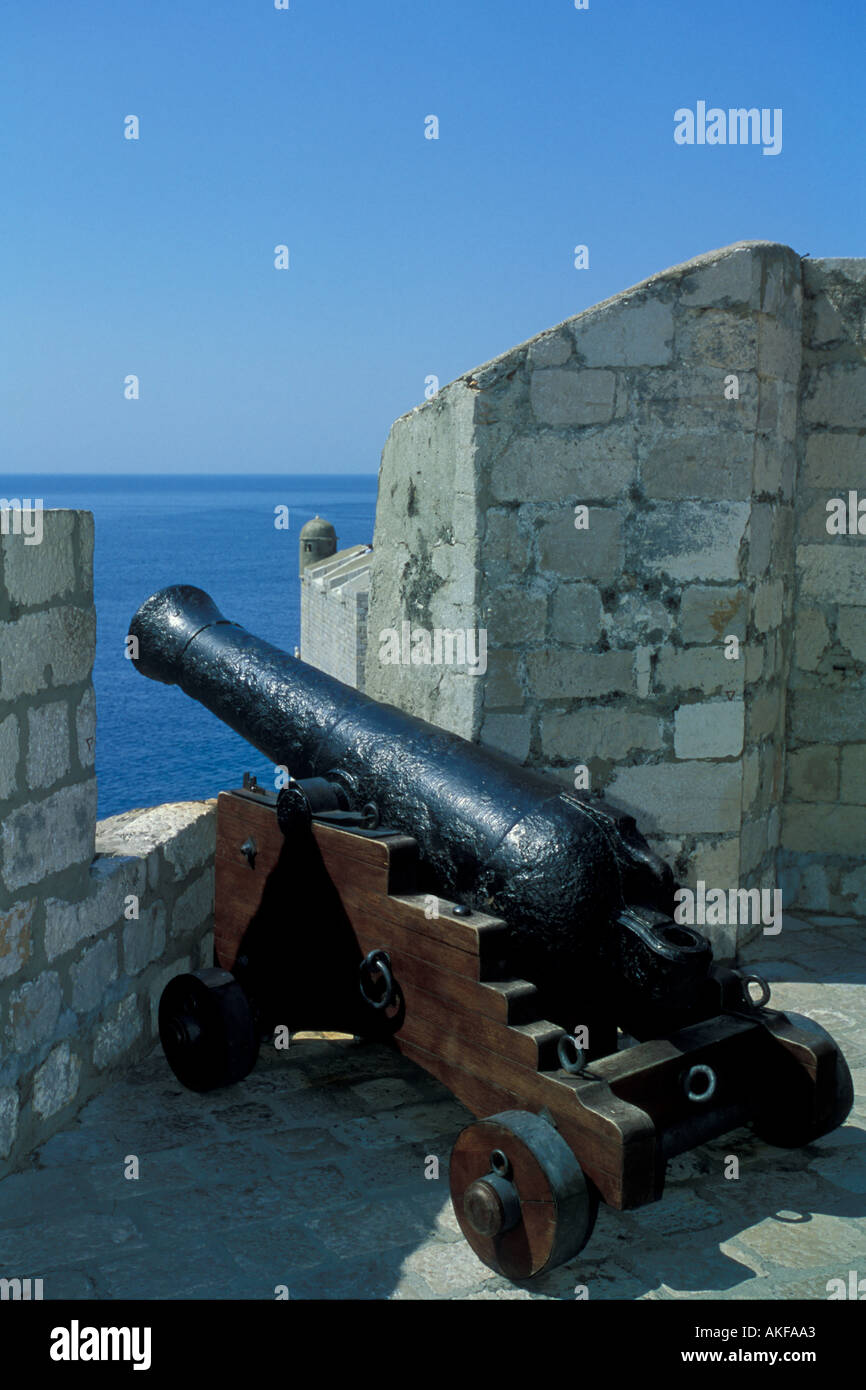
[[824, 823], [93, 917], [647, 637], [334, 594]]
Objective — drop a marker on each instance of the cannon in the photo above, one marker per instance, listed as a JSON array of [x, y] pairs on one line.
[[513, 938]]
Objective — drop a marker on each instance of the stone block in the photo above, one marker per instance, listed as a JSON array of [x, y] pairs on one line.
[[835, 715], [833, 573], [510, 733], [712, 613], [575, 615], [851, 628], [693, 798], [764, 714], [184, 830], [55, 1083], [194, 906], [595, 553], [91, 977], [8, 756], [563, 396], [834, 461], [779, 350], [515, 615], [144, 939], [732, 279], [549, 349], [823, 829], [719, 338], [853, 768], [113, 1038], [598, 464], [33, 1012], [708, 464], [812, 637], [598, 732], [716, 862], [813, 773], [625, 334], [16, 937], [690, 540], [47, 745], [112, 881], [767, 609], [710, 729], [41, 838], [699, 668], [8, 1119], [505, 550], [837, 396], [85, 728], [54, 647], [35, 574], [557, 675], [502, 686]]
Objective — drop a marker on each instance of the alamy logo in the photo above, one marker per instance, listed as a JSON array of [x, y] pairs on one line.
[[736, 126], [717, 908], [444, 646], [76, 1343], [21, 516]]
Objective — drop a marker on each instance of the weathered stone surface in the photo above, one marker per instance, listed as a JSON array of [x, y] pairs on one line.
[[116, 1035], [505, 551], [691, 541], [779, 349], [699, 668], [35, 574], [510, 733], [837, 716], [195, 904], [16, 937], [712, 613], [833, 573], [708, 464], [837, 396], [834, 461], [823, 829], [733, 278], [594, 553], [625, 334], [515, 615], [575, 615], [767, 610], [812, 637], [33, 1012], [575, 675], [53, 647], [185, 830], [503, 688], [853, 767], [598, 732], [85, 728], [697, 796], [851, 627], [8, 1119], [93, 974], [710, 729], [597, 464], [719, 338], [549, 349], [43, 837], [144, 940], [47, 744], [55, 1083], [564, 396], [813, 773], [112, 880], [8, 756]]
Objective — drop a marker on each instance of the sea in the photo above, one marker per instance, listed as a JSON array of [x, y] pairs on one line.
[[153, 743]]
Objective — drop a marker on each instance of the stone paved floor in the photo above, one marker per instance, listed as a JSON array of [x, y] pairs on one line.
[[310, 1174]]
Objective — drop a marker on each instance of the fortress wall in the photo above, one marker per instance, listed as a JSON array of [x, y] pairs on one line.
[[608, 659], [94, 918], [824, 818]]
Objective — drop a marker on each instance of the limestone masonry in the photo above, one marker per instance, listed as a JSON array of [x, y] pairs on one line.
[[614, 501]]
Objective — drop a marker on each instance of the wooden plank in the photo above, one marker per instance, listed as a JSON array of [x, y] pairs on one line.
[[389, 916]]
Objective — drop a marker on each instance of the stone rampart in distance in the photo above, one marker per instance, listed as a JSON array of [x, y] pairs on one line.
[[703, 418]]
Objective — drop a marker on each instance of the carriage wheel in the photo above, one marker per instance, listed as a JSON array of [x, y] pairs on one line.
[[519, 1194], [207, 1029]]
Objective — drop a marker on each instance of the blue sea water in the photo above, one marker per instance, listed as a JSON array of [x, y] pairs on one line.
[[153, 743]]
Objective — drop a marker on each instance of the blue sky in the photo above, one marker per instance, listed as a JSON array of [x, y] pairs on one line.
[[408, 257]]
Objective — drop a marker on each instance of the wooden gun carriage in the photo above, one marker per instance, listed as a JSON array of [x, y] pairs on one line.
[[378, 895]]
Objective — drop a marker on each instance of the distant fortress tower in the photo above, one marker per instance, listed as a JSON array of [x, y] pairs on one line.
[[334, 591], [318, 542]]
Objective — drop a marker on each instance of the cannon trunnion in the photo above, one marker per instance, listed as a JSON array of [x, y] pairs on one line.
[[410, 887]]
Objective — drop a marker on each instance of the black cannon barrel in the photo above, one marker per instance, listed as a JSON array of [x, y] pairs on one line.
[[556, 866]]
